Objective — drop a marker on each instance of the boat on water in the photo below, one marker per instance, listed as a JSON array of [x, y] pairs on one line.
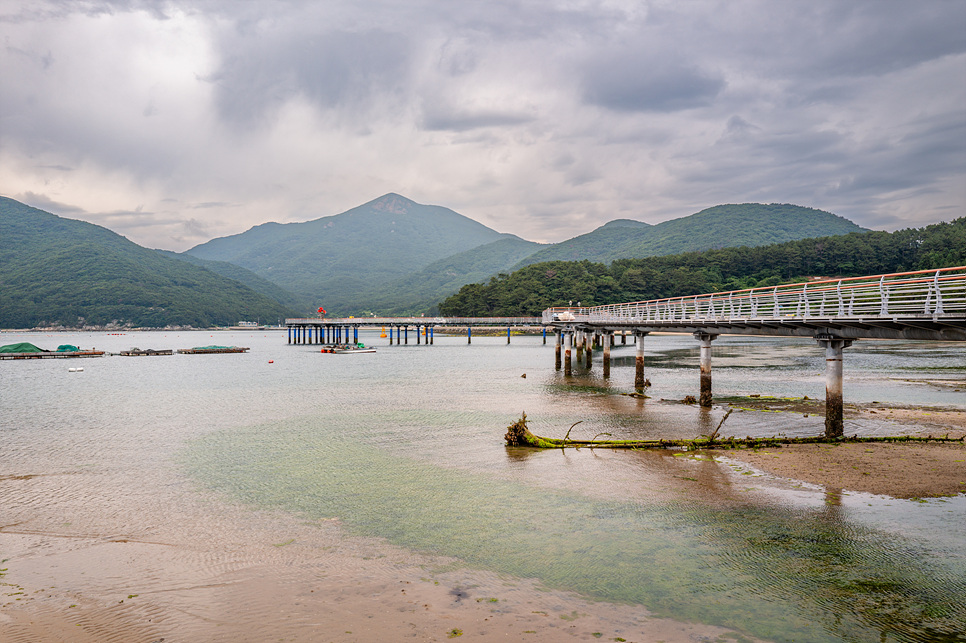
[[209, 350], [354, 349], [342, 349]]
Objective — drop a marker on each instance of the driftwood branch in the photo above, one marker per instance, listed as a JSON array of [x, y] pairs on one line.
[[519, 435]]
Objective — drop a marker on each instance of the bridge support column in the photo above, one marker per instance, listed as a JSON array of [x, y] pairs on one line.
[[390, 334], [589, 340], [608, 342], [418, 335], [639, 362], [579, 339], [705, 339], [556, 349], [406, 335], [544, 334], [469, 335], [355, 334], [568, 366], [507, 334], [834, 426], [623, 337], [431, 335]]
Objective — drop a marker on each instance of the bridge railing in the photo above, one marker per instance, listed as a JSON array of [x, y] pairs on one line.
[[413, 321], [924, 293]]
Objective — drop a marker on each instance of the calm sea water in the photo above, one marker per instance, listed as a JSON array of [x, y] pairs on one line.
[[407, 445]]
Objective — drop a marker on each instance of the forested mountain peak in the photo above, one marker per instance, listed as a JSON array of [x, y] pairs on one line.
[[625, 223], [392, 203]]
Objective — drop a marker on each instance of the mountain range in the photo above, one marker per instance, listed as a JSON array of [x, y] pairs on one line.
[[395, 256], [389, 256]]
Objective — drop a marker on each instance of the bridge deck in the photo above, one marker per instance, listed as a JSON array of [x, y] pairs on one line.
[[927, 305]]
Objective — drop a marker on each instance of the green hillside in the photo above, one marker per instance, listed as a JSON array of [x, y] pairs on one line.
[[534, 288], [56, 271], [421, 291], [246, 278], [745, 224], [332, 260]]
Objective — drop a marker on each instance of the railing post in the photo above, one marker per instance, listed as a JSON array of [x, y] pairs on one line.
[[939, 296], [884, 297]]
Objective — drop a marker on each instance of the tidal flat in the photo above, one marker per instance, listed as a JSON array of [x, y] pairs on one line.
[[285, 494]]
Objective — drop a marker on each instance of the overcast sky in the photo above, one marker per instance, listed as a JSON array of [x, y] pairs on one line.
[[176, 122]]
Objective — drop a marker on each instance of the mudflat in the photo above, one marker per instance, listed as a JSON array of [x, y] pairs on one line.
[[896, 469]]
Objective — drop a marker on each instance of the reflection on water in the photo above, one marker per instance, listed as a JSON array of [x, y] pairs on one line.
[[406, 444]]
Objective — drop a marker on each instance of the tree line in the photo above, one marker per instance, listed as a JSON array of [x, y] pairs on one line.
[[530, 290]]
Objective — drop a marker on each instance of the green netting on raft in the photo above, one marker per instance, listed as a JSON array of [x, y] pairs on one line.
[[21, 347], [67, 348]]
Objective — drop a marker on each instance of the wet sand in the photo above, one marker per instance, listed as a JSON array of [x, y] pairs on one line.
[[899, 470], [213, 572], [175, 566]]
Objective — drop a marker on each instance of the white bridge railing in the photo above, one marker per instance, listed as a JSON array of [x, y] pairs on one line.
[[930, 294]]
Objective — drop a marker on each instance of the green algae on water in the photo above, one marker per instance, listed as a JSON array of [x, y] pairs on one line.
[[780, 574]]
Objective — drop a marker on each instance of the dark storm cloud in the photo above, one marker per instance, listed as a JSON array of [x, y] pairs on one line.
[[461, 121], [633, 83], [329, 68]]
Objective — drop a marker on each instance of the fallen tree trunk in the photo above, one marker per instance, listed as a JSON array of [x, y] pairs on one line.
[[519, 435]]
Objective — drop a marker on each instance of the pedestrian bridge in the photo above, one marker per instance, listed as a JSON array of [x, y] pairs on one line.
[[927, 305], [923, 305], [323, 330]]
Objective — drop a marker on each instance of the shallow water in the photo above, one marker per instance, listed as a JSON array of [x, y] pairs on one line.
[[406, 445]]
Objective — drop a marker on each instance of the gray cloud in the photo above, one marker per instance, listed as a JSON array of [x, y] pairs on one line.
[[173, 121]]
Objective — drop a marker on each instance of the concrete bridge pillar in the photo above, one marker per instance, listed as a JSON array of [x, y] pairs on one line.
[[608, 342], [579, 339], [556, 349], [705, 339], [639, 361], [834, 426], [406, 334], [568, 366], [589, 339], [469, 335]]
